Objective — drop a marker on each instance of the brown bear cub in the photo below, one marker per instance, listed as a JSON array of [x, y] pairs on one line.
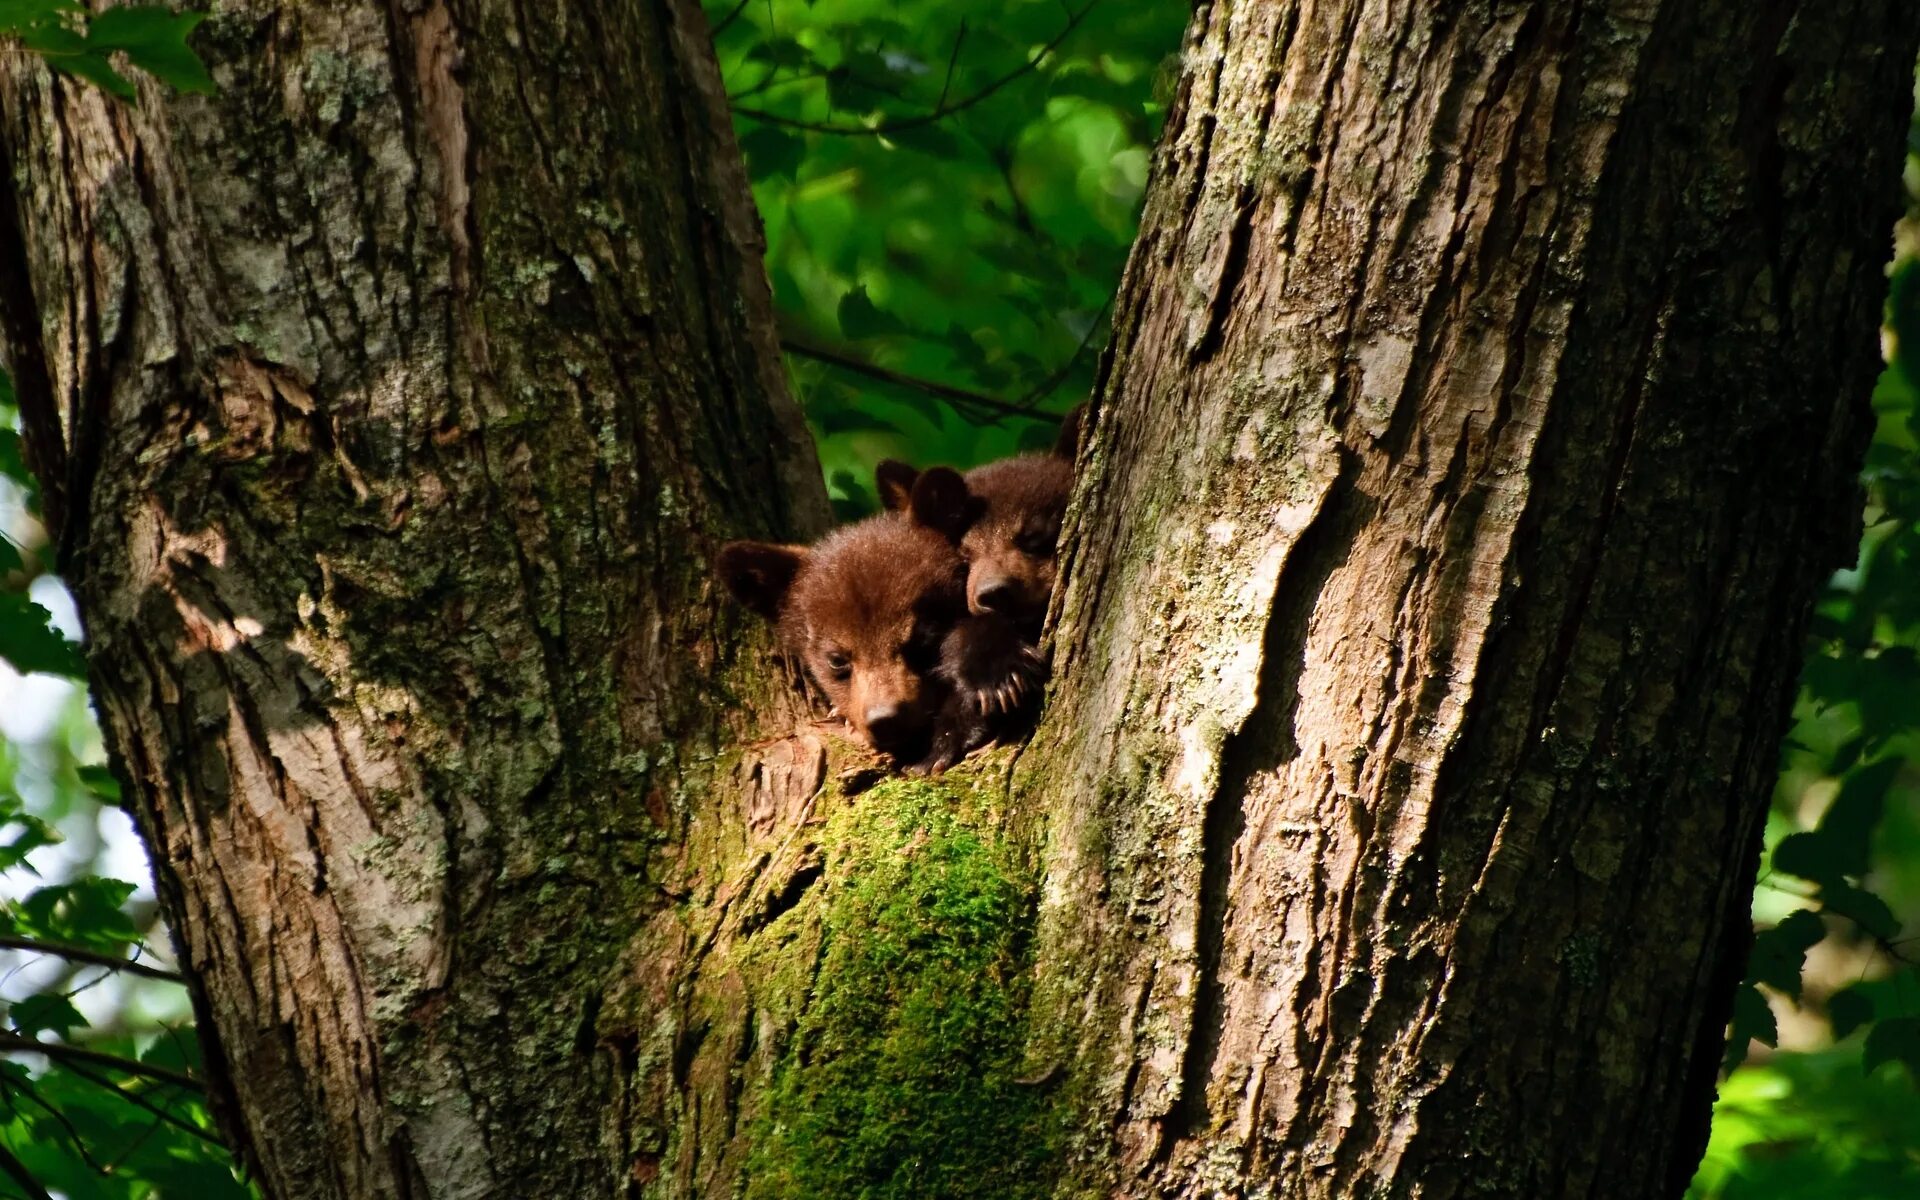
[[1013, 511], [868, 610], [1016, 506]]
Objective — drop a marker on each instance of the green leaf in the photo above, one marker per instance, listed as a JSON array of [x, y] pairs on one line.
[[12, 465], [1752, 1022], [1811, 855], [860, 319], [1895, 1039], [1862, 907], [100, 781], [781, 52], [95, 69], [772, 151], [49, 1010], [53, 40], [1780, 953], [1848, 1010], [155, 40], [29, 642], [10, 559], [1856, 811], [86, 912], [1903, 317], [34, 833]]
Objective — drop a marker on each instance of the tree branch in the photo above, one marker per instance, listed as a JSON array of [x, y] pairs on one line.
[[91, 957], [945, 391], [720, 26], [940, 110], [13, 1043], [139, 1101], [17, 1171]]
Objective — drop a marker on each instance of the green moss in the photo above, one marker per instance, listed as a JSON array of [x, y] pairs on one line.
[[903, 1075]]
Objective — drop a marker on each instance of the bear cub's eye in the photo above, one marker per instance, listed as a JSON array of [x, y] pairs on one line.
[[839, 664], [1037, 543]]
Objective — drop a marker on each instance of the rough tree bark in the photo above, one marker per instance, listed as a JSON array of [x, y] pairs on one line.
[[1487, 389], [389, 404]]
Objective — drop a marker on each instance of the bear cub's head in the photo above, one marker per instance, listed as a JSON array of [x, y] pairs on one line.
[[1014, 510], [865, 609]]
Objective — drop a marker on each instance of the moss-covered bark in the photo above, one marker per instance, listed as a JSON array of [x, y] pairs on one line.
[[1486, 395]]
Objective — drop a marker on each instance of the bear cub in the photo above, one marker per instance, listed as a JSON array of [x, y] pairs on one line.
[[921, 624], [1011, 529], [867, 611], [1014, 510]]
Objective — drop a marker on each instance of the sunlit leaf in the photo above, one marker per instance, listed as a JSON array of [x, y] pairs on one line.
[[155, 40]]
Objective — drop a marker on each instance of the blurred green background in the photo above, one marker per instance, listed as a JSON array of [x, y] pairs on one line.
[[949, 191]]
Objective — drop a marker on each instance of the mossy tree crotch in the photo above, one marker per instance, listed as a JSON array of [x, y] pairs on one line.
[[1486, 393]]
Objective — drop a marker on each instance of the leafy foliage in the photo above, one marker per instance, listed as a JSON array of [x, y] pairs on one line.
[[950, 189], [1808, 1127]]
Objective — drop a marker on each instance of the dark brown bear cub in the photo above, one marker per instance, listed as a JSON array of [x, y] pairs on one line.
[[867, 610], [1015, 507]]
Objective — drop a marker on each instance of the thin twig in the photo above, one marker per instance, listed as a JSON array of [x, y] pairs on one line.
[[1026, 406], [773, 80], [945, 391], [91, 957], [73, 1135], [13, 1043], [139, 1101], [953, 60], [1046, 387], [940, 111], [729, 19], [17, 1170], [131, 1148]]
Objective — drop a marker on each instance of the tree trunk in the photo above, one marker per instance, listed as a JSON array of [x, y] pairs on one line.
[[389, 404], [1487, 389], [1487, 392]]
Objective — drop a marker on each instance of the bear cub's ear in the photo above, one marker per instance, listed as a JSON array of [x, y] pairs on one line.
[[760, 574], [893, 481], [941, 502], [1067, 444]]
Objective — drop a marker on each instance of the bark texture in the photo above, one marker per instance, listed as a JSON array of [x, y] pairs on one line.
[[1488, 387], [389, 404]]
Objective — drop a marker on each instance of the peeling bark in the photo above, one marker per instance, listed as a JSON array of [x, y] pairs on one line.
[[1487, 392]]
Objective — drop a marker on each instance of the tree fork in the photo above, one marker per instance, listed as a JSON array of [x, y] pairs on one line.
[[1389, 846]]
